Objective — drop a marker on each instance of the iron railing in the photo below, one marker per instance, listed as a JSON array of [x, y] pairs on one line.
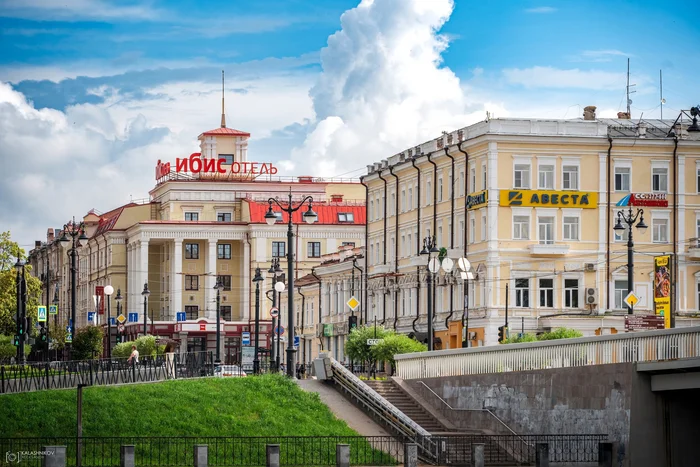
[[222, 451], [645, 346], [102, 372]]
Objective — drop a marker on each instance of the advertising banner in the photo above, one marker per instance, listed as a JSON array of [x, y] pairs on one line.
[[549, 199], [662, 288]]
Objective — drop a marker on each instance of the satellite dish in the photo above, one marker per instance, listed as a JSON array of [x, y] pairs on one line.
[[663, 101], [434, 265], [447, 264], [464, 264], [629, 101]]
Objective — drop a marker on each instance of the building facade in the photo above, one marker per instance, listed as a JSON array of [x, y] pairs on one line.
[[532, 204]]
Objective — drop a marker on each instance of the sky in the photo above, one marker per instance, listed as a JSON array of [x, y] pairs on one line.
[[94, 92]]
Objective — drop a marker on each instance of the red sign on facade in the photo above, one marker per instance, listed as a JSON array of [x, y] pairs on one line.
[[100, 292], [202, 327], [658, 200], [196, 164]]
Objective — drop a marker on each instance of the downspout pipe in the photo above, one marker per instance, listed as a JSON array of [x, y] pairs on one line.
[[386, 245], [396, 249], [364, 283], [435, 177], [466, 223], [674, 284], [354, 265], [413, 325], [303, 314], [452, 232], [608, 233], [320, 313]]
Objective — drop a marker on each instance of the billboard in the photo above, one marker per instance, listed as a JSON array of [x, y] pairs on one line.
[[662, 288]]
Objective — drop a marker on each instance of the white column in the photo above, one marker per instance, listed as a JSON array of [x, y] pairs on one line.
[[176, 278], [245, 290], [210, 280], [143, 275], [131, 273]]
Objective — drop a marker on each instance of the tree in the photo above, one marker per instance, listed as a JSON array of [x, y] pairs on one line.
[[519, 339], [87, 343], [146, 345], [560, 333], [9, 251], [356, 346], [395, 344]]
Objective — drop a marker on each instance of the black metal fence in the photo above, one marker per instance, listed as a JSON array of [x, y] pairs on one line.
[[222, 451], [68, 374]]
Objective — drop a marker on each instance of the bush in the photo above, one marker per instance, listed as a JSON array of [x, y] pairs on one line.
[[146, 345], [87, 343], [8, 349], [519, 339], [395, 344], [559, 333]]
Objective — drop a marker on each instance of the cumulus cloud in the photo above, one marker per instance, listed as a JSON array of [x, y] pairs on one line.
[[550, 77], [383, 87]]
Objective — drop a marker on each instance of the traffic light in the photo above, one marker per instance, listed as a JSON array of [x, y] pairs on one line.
[[119, 338], [352, 323], [21, 328], [43, 334], [502, 331], [16, 341]]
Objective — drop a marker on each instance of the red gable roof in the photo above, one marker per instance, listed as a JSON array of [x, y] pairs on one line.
[[225, 132], [109, 219], [327, 213]]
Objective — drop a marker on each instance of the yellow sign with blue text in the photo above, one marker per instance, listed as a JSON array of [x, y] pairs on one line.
[[550, 199]]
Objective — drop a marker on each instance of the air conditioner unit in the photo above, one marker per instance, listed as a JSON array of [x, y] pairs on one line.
[[589, 267], [591, 296]]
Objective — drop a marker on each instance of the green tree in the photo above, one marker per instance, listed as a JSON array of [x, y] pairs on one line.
[[517, 339], [146, 345], [559, 333], [8, 349], [9, 251], [394, 344], [356, 346], [87, 343]]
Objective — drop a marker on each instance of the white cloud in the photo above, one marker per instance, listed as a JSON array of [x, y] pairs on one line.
[[76, 10], [382, 88], [549, 77], [600, 56], [541, 9]]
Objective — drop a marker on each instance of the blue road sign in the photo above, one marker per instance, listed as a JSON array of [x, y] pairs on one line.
[[245, 337], [41, 314], [133, 317], [296, 342], [69, 335], [53, 309], [181, 316], [113, 321], [279, 330], [91, 316]]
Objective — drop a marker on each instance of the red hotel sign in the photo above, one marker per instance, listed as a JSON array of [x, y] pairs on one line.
[[195, 164], [658, 200]]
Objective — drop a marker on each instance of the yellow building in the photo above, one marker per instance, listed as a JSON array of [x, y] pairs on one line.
[[532, 205]]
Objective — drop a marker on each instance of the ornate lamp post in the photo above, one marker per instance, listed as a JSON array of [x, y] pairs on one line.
[[309, 217], [21, 309], [109, 290], [630, 218], [218, 287], [256, 359], [274, 271], [430, 248], [76, 232], [145, 295]]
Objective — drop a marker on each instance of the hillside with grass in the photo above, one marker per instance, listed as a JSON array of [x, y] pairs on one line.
[[267, 405]]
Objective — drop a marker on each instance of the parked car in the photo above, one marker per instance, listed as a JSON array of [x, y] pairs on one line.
[[228, 371]]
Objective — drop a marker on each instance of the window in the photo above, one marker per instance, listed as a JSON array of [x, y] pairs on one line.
[[410, 245], [450, 186], [461, 183], [472, 228], [223, 251], [460, 233], [439, 188], [225, 311], [546, 177], [522, 176], [392, 208], [403, 246], [371, 254], [439, 235], [346, 217], [547, 293], [522, 293], [223, 217], [313, 249], [278, 216], [659, 230], [545, 230], [191, 250], [521, 227], [191, 282], [659, 179], [352, 244], [571, 228], [403, 200], [225, 281], [410, 198], [192, 311], [697, 176], [570, 293], [371, 210], [192, 216], [570, 177], [428, 185], [621, 235], [472, 178], [483, 228], [622, 178], [483, 177], [620, 294], [228, 158], [278, 249]]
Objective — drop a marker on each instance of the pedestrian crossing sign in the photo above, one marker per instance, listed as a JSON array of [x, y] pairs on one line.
[[53, 309], [41, 314]]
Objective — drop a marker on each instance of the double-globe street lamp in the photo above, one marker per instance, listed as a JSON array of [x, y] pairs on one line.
[[279, 288], [274, 271], [430, 248], [22, 324], [630, 218], [256, 359], [109, 290], [76, 232], [145, 295], [309, 217], [218, 287]]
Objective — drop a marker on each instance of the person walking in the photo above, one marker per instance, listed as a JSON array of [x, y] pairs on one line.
[[134, 357]]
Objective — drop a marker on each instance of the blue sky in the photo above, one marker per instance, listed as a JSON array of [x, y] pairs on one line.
[[107, 87]]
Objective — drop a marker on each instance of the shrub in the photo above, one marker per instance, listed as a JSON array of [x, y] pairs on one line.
[[395, 344], [517, 339], [8, 349], [559, 333], [87, 343], [146, 345]]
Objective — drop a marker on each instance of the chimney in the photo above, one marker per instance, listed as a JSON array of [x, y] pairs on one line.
[[589, 112], [49, 235], [623, 116], [37, 243]]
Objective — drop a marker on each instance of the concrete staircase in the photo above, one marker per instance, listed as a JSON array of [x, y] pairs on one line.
[[391, 392]]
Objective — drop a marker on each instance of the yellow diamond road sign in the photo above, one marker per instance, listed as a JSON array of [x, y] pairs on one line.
[[353, 303], [631, 299], [121, 318]]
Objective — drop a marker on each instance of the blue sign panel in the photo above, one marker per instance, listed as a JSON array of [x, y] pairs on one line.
[[245, 337], [113, 321], [91, 316], [296, 341], [133, 317], [181, 316], [279, 330]]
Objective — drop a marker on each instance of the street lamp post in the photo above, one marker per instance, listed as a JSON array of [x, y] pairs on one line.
[[218, 287], [279, 288], [119, 299], [109, 290], [274, 271], [430, 248], [309, 217], [256, 359], [55, 321], [145, 295], [630, 218], [76, 232], [21, 309], [467, 275]]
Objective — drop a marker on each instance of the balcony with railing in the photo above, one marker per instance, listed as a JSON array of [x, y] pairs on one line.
[[694, 248]]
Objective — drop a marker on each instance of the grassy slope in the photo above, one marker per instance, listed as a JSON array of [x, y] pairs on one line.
[[254, 406]]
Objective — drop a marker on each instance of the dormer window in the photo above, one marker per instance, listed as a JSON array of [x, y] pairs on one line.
[[278, 215], [346, 217], [228, 158]]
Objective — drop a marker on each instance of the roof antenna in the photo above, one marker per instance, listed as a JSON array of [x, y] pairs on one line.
[[629, 101], [223, 114], [661, 92]]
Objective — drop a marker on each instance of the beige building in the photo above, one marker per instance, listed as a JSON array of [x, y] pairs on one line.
[[532, 205]]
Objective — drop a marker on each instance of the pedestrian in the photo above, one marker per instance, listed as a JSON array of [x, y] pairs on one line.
[[134, 357]]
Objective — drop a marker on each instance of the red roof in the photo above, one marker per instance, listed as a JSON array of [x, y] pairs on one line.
[[328, 214], [225, 131], [109, 219]]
